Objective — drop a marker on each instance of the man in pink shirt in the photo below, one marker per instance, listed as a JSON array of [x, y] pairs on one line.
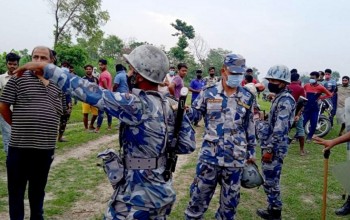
[[105, 81]]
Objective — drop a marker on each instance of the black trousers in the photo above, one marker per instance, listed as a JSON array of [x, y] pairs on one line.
[[32, 166]]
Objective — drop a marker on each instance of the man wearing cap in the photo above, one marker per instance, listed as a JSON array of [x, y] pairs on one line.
[[273, 135], [228, 143], [147, 129]]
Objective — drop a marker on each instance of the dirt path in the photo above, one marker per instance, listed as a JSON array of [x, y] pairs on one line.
[[96, 206], [99, 196], [86, 149]]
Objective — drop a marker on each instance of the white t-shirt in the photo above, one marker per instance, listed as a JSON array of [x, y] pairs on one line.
[[4, 78], [165, 89]]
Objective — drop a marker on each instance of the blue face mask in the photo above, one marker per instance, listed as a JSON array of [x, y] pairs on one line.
[[171, 72], [234, 81], [312, 81]]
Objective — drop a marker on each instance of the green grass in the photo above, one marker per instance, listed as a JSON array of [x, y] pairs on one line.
[[68, 183]]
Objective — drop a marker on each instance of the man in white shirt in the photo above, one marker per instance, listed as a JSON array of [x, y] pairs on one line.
[[12, 61], [164, 87]]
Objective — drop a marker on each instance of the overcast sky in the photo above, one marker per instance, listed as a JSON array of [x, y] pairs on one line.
[[304, 34]]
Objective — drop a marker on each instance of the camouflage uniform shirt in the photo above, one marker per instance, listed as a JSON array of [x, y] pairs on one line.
[[143, 136], [229, 136], [274, 132]]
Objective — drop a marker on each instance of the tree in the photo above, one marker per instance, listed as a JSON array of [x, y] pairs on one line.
[[200, 49], [336, 75], [82, 16], [131, 44], [75, 55], [92, 44], [256, 73], [304, 79], [184, 32], [216, 58], [111, 47]]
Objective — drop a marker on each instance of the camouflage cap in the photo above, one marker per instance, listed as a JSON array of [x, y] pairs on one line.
[[235, 63]]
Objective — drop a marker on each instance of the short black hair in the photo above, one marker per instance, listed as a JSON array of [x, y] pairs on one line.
[[181, 65], [199, 71], [249, 70], [71, 66], [211, 68], [172, 67], [119, 67], [315, 73], [103, 61], [294, 71], [65, 63], [12, 57], [346, 77], [321, 73], [328, 71], [294, 77], [88, 65], [248, 78], [54, 53]]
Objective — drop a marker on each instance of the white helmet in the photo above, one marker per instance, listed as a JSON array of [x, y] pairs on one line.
[[279, 72], [251, 177], [150, 62]]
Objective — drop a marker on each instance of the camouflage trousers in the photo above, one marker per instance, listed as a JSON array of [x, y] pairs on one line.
[[203, 188], [272, 173], [122, 211]]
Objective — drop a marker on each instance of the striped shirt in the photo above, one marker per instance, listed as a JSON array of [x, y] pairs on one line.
[[36, 111]]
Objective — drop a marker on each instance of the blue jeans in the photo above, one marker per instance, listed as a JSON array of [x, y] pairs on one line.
[[32, 166], [311, 115], [6, 133], [100, 118]]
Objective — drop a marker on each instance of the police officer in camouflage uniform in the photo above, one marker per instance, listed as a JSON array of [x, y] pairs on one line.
[[228, 142], [148, 127], [274, 138]]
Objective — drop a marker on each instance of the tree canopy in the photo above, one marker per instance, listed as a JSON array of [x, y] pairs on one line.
[[84, 17]]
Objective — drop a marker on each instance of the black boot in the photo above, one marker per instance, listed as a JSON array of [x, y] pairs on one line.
[[345, 209], [269, 213]]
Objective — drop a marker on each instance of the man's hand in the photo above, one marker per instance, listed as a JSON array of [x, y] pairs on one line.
[[36, 67], [251, 160], [296, 118], [328, 144]]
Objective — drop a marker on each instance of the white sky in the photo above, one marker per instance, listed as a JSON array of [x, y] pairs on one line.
[[304, 34]]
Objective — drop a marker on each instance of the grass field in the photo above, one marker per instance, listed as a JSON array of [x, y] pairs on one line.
[[76, 180]]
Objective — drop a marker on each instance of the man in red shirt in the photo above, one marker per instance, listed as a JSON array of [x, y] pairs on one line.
[[249, 72], [297, 91], [105, 81], [313, 92]]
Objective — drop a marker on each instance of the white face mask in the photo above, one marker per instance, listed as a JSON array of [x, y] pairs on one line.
[[234, 81], [312, 81]]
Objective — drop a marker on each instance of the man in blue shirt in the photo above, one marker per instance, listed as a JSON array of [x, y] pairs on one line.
[[120, 80], [196, 85]]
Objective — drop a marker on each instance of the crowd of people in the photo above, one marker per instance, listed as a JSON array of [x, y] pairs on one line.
[[37, 100]]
